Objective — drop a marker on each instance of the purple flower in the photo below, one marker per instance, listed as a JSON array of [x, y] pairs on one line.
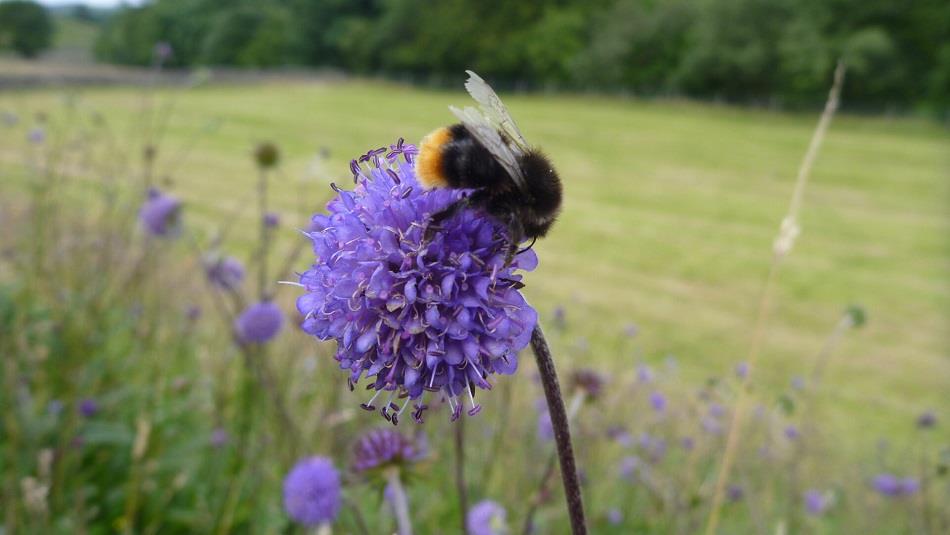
[[88, 407], [161, 214], [687, 443], [620, 435], [658, 401], [816, 502], [312, 492], [259, 323], [629, 466], [892, 486], [630, 330], [193, 312], [614, 517], [486, 518], [385, 447], [413, 316], [219, 437], [644, 374], [37, 136], [559, 319], [792, 432], [927, 420], [271, 219], [798, 382], [735, 493], [224, 272], [742, 370]]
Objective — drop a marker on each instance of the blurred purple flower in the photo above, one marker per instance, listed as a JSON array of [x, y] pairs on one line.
[[219, 437], [380, 448], [892, 486], [687, 443], [798, 382], [54, 407], [630, 466], [792, 432], [312, 492], [559, 318], [816, 502], [37, 135], [413, 316], [711, 425], [259, 323], [545, 426], [88, 408], [224, 272], [927, 420], [658, 401], [644, 374], [742, 370], [716, 410], [486, 518], [735, 493], [161, 214], [614, 517], [193, 312], [630, 330], [271, 219], [620, 435]]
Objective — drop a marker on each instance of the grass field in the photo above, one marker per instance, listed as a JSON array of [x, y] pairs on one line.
[[669, 216]]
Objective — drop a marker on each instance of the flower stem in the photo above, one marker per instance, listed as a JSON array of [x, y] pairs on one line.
[[399, 502], [562, 432], [460, 470]]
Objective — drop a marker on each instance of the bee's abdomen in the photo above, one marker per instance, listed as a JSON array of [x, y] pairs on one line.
[[430, 168]]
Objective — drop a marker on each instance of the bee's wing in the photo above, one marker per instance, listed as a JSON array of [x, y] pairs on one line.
[[494, 110], [483, 130]]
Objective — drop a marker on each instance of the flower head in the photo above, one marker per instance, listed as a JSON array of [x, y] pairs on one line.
[[271, 219], [37, 136], [614, 517], [160, 214], [224, 271], [266, 155], [589, 381], [892, 486], [816, 502], [219, 437], [927, 420], [742, 370], [411, 315], [658, 401], [486, 518], [88, 407], [312, 492], [385, 447], [259, 323]]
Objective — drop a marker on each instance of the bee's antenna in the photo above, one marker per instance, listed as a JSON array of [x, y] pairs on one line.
[[530, 245]]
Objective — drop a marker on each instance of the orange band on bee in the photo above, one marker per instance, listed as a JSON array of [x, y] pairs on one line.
[[429, 162]]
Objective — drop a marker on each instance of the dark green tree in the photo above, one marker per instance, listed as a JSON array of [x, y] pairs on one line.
[[26, 27]]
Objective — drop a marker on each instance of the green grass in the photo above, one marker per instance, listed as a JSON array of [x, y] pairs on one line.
[[670, 209], [670, 212]]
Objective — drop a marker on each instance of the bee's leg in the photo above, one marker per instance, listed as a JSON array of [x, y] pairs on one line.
[[434, 224], [515, 232]]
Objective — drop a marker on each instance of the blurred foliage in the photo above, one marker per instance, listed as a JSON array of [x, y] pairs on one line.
[[25, 27], [779, 52]]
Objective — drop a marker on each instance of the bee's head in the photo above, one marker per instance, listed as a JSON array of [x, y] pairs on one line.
[[543, 191]]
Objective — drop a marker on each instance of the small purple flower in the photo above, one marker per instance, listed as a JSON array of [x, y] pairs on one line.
[[742, 370], [486, 518], [711, 425], [37, 136], [88, 408], [219, 437], [161, 214], [620, 435], [892, 486], [559, 318], [413, 317], [658, 401], [224, 272], [380, 448], [312, 492], [630, 466], [614, 517], [927, 420], [816, 502], [644, 374], [735, 493], [798, 383], [716, 410], [259, 323], [792, 432], [271, 219], [630, 330], [687, 443], [193, 312]]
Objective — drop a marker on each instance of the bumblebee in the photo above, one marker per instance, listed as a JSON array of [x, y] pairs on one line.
[[512, 181]]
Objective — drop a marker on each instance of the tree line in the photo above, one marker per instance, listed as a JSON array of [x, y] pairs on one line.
[[772, 52]]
